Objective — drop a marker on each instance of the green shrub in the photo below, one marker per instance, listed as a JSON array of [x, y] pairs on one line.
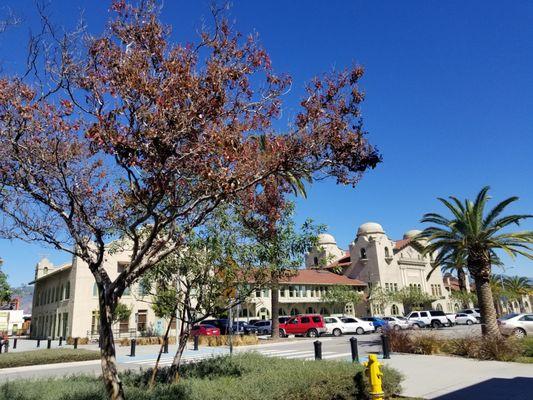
[[51, 356], [485, 348], [248, 376], [527, 346]]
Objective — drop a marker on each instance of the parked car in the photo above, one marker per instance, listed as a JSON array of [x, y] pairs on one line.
[[220, 324], [465, 319], [205, 330], [334, 326], [311, 325], [451, 318], [238, 327], [357, 325], [379, 323], [519, 325], [472, 311], [397, 323], [263, 327], [435, 318]]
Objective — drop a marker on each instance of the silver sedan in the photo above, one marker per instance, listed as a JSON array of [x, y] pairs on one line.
[[519, 325]]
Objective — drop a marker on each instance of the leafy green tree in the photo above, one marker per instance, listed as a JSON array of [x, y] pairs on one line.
[[464, 297], [5, 290], [517, 287], [343, 295], [411, 298], [476, 234], [279, 245], [121, 312]]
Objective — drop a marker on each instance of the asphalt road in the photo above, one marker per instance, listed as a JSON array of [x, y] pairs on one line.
[[291, 348]]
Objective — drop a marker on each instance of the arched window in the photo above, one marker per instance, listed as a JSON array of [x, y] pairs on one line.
[[324, 311], [363, 253], [45, 270], [282, 312], [67, 291], [294, 311], [315, 261], [394, 310], [439, 307], [62, 292], [456, 307], [387, 253], [311, 310]]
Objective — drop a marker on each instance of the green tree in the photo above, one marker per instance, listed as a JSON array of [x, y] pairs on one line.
[[517, 287], [280, 246], [464, 297], [121, 312], [411, 298], [343, 295], [476, 234], [5, 290]]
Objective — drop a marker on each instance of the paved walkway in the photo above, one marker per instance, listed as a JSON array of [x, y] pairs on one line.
[[455, 378]]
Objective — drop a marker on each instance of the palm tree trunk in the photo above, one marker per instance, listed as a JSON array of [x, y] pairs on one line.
[[461, 277], [274, 306], [112, 382], [489, 324]]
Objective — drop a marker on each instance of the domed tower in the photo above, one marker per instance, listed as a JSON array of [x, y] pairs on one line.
[[324, 253]]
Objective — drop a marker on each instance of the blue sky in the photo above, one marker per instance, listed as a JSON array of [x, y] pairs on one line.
[[449, 99]]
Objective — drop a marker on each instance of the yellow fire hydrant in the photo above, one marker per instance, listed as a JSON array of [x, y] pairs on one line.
[[373, 372]]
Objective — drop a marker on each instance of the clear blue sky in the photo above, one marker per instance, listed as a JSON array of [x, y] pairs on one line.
[[449, 99]]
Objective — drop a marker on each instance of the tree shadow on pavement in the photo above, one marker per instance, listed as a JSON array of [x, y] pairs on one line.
[[494, 389]]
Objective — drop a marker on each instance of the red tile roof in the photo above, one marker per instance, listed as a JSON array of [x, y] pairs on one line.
[[400, 244], [321, 277]]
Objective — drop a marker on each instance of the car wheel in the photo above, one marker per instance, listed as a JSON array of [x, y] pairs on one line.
[[337, 332], [468, 322], [359, 331], [379, 329], [282, 333], [519, 333], [312, 333], [436, 324], [396, 327]]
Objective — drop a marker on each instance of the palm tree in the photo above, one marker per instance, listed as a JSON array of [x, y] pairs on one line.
[[517, 286], [476, 234]]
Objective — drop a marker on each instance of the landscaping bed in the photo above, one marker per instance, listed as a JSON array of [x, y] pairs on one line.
[[248, 376], [478, 347], [48, 356]]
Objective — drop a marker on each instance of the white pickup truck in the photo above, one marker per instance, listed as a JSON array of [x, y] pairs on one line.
[[434, 318]]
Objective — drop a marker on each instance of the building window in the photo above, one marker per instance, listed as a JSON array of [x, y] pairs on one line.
[[59, 292], [363, 253], [282, 312], [387, 287], [65, 325], [95, 323], [266, 293], [294, 311], [439, 307], [67, 291], [387, 253], [324, 311], [291, 291], [243, 312], [395, 287], [263, 313], [124, 325], [142, 316], [311, 310], [282, 292], [394, 310]]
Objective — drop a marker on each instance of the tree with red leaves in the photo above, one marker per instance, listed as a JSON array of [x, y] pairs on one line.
[[138, 140]]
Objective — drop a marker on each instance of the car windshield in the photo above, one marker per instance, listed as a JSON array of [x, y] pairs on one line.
[[509, 316]]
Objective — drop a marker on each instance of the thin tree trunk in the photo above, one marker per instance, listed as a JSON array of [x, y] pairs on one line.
[[274, 306], [110, 376], [461, 277], [182, 343], [489, 324], [165, 338]]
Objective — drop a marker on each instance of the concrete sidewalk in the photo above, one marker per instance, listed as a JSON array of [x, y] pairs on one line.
[[455, 378]]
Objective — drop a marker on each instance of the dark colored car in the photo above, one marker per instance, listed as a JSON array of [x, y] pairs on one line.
[[218, 323], [379, 323]]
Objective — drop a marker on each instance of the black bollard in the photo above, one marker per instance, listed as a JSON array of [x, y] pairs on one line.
[[133, 344], [196, 342], [355, 350], [75, 342], [15, 343], [318, 349], [1, 346], [60, 341], [7, 345], [99, 342], [165, 346], [49, 344], [385, 342], [38, 342]]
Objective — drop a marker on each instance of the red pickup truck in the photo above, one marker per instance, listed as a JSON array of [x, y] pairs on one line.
[[311, 325]]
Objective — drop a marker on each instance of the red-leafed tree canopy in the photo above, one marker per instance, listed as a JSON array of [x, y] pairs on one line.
[[141, 138]]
